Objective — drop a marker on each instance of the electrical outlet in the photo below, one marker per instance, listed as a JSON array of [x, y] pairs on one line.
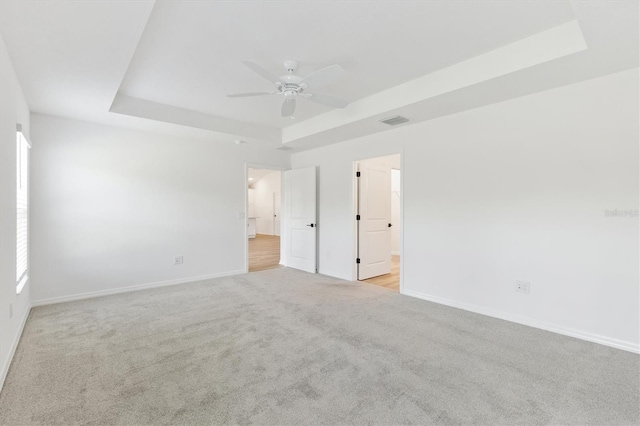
[[523, 287], [178, 260], [10, 310]]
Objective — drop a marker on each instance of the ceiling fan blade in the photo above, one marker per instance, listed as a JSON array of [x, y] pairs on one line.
[[328, 100], [324, 76], [244, 95], [261, 71], [288, 107]]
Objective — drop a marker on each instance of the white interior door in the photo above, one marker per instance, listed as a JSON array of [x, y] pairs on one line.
[[374, 226], [300, 219]]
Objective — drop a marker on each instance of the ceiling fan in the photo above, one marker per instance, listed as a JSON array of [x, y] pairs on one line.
[[292, 86]]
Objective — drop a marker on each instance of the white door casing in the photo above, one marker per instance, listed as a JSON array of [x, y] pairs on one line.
[[300, 219], [374, 208], [276, 213]]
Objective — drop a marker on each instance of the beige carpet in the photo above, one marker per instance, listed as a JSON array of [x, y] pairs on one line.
[[286, 347]]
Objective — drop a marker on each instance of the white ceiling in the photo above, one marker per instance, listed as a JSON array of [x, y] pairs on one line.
[[71, 56], [167, 65], [190, 53]]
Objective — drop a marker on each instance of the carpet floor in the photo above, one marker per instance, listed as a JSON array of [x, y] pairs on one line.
[[287, 347]]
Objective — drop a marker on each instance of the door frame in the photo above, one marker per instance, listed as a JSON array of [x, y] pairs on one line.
[[279, 216], [248, 166], [354, 211]]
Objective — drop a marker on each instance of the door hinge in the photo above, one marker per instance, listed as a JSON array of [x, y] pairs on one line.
[[357, 174], [357, 217], [358, 260]]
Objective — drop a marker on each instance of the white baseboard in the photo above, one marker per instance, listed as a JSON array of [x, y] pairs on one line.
[[12, 349], [333, 274], [607, 341], [92, 294]]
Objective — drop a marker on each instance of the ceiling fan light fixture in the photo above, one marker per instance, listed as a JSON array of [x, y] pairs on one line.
[[292, 85]]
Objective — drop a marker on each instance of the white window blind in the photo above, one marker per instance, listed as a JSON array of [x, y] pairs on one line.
[[22, 210]]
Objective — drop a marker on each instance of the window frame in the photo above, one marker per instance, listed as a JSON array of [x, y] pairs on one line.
[[22, 206]]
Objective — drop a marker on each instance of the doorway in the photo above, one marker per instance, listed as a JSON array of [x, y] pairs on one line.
[[263, 218], [378, 221]]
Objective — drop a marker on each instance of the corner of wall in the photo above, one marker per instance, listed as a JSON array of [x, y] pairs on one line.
[[12, 349], [14, 308]]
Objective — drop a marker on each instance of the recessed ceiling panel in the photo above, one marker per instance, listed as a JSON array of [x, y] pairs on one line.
[[190, 53]]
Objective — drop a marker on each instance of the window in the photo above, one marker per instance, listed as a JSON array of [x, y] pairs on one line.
[[22, 209]]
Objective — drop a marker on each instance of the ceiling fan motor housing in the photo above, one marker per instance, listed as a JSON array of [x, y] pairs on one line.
[[290, 85]]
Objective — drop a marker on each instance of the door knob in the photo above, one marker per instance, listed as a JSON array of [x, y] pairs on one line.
[[390, 225], [311, 225]]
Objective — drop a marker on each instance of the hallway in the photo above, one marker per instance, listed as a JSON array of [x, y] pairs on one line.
[[264, 252], [390, 281]]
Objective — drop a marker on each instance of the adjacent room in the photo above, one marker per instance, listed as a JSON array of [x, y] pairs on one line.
[[319, 212], [263, 218]]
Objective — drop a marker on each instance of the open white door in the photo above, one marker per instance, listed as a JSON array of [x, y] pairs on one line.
[[374, 226], [300, 219]]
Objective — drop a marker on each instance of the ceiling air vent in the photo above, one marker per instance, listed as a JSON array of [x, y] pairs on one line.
[[394, 121]]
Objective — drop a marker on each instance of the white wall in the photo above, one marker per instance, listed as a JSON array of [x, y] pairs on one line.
[[512, 191], [13, 110], [113, 206], [264, 189], [396, 194]]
